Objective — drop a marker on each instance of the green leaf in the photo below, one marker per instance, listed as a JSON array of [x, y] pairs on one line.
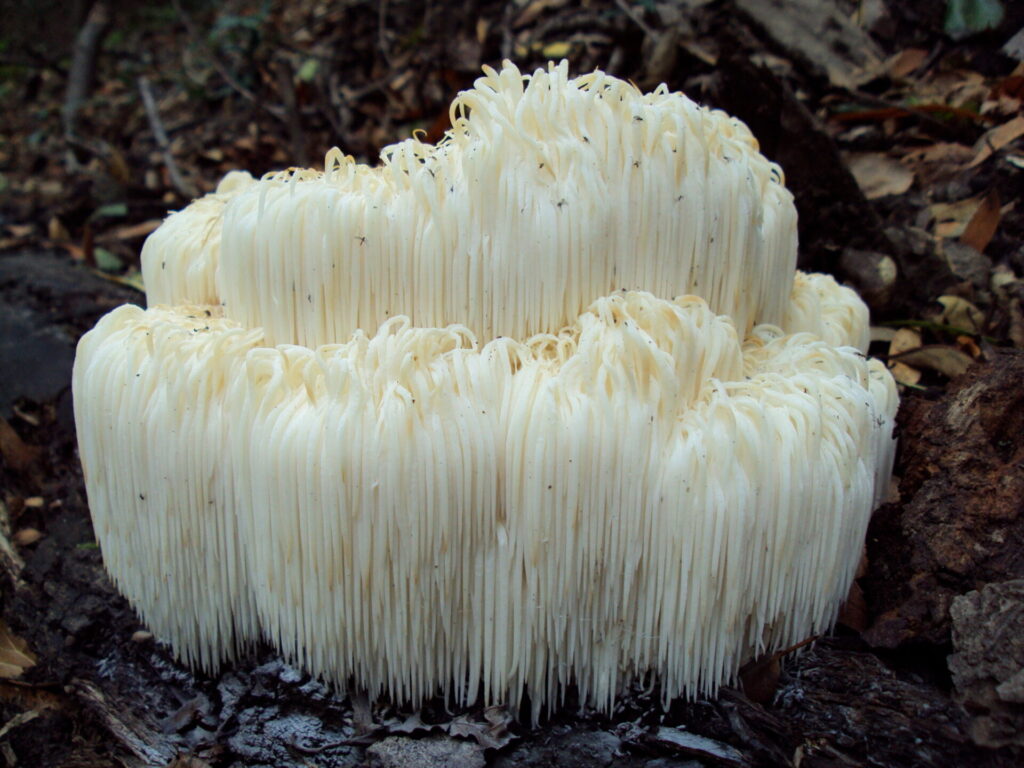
[[967, 17], [110, 211], [308, 70], [107, 261]]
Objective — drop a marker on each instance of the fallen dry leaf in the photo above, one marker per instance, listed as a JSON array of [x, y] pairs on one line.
[[902, 341], [15, 656], [943, 160], [968, 346], [996, 139], [20, 230], [982, 225], [878, 174], [906, 61], [951, 219], [55, 229], [904, 374], [27, 536], [941, 152], [18, 454], [949, 361], [760, 678], [960, 313]]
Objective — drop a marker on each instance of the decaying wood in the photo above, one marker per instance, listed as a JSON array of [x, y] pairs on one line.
[[820, 33], [131, 733]]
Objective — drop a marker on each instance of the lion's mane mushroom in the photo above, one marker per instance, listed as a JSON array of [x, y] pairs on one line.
[[626, 483]]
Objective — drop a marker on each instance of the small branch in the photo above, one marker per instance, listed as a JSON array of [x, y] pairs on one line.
[[179, 184], [628, 10], [83, 64], [382, 20]]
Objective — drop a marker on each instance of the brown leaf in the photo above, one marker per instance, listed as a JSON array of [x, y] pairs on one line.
[[996, 139], [941, 152], [904, 374], [879, 175], [960, 313], [1012, 86], [760, 678], [27, 536], [951, 219], [55, 229], [968, 346], [948, 361], [906, 61], [490, 733], [18, 454], [982, 226], [15, 656], [904, 339]]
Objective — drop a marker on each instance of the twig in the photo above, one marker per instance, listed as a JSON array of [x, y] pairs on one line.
[[382, 19], [628, 9], [223, 71], [183, 189], [83, 64], [919, 111]]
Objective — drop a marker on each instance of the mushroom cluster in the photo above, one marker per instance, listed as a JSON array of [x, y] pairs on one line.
[[543, 404]]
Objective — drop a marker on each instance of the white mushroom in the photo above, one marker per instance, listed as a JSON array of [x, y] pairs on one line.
[[180, 258], [643, 486], [547, 193]]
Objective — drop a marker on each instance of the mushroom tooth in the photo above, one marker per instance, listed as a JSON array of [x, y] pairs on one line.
[[638, 494]]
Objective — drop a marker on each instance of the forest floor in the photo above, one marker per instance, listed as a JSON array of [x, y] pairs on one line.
[[901, 139]]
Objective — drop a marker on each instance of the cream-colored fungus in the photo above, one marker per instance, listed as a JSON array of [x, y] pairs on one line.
[[180, 258], [547, 193], [632, 482]]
